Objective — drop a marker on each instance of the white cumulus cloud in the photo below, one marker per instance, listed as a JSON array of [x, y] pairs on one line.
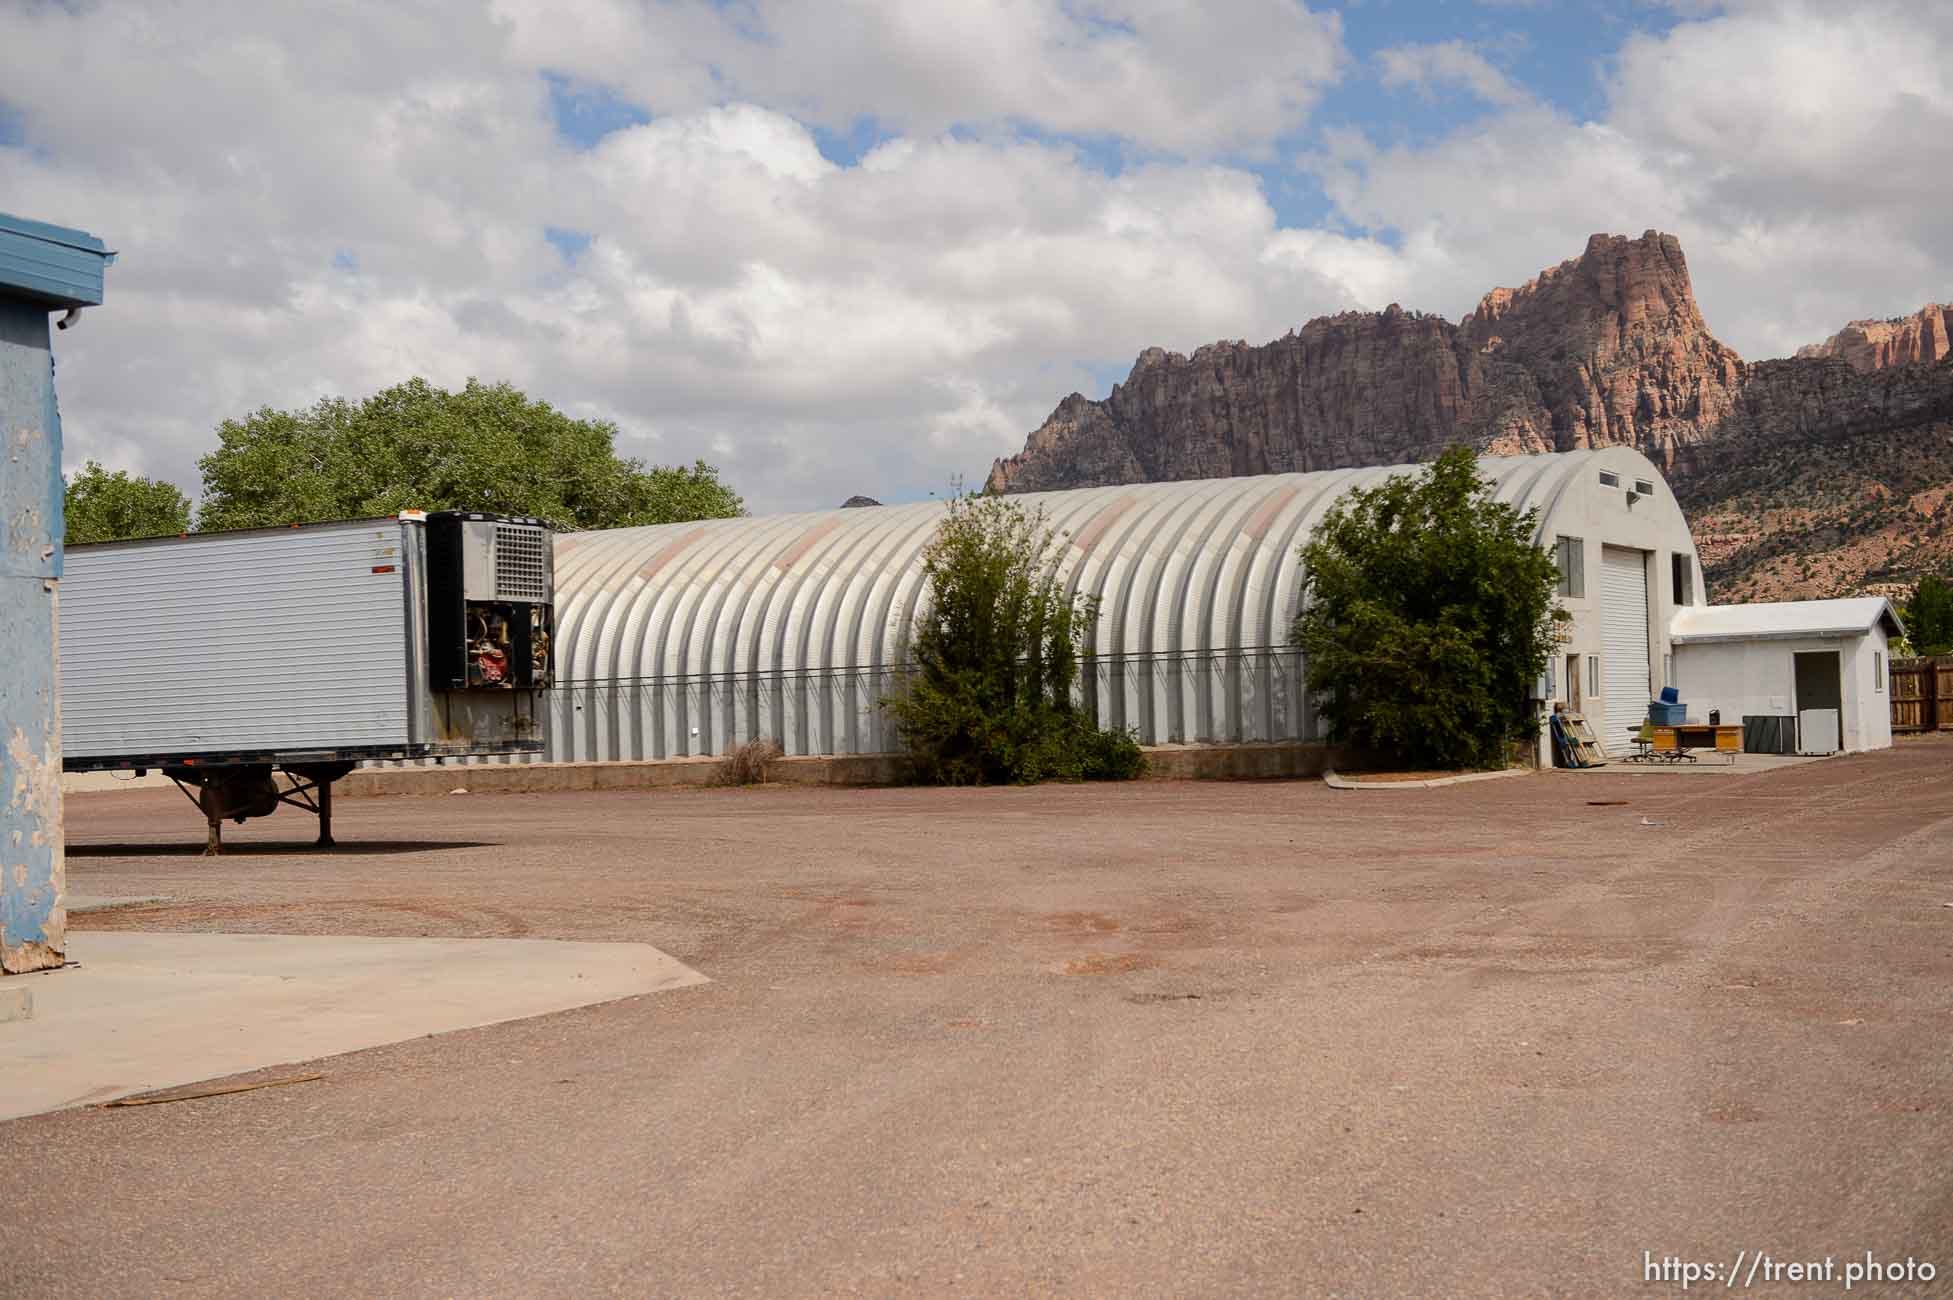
[[1802, 153], [305, 206], [1445, 64], [1161, 74], [312, 199]]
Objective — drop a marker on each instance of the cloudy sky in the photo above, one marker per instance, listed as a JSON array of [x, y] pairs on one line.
[[839, 246]]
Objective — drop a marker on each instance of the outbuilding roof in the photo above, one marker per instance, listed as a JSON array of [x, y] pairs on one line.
[[51, 265], [1783, 620]]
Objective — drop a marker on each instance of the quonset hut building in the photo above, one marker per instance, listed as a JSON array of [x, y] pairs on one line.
[[688, 639]]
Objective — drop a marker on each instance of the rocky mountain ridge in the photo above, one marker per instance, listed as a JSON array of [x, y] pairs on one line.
[[1605, 349], [1925, 336]]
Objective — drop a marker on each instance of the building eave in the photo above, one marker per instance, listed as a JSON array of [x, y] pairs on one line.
[[1800, 634], [51, 266]]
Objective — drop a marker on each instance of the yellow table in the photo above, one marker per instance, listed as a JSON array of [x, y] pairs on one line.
[[1683, 736]]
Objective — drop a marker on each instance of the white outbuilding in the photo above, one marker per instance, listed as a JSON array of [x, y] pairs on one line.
[[1801, 676], [688, 639]]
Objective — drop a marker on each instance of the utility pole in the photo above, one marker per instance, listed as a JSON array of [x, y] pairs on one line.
[[43, 269]]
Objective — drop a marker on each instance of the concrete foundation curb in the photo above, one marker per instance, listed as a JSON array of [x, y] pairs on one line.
[[1251, 762], [545, 778], [16, 1000], [1335, 782]]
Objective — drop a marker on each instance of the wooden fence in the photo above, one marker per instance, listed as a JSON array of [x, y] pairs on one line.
[[1922, 694]]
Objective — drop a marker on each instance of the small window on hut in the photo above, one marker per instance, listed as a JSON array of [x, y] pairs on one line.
[[1608, 478], [1684, 570], [1570, 553], [1644, 487], [1878, 670]]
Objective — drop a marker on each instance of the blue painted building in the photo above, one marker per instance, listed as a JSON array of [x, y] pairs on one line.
[[43, 269]]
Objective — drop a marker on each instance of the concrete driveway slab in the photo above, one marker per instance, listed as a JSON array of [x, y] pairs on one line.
[[145, 1011]]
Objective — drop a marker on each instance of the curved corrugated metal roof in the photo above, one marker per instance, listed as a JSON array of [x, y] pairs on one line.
[[1200, 565], [724, 616]]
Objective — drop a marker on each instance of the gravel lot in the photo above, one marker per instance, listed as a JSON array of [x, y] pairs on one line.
[[1160, 1039]]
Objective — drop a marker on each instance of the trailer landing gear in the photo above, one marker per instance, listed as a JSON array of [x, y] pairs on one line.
[[248, 790]]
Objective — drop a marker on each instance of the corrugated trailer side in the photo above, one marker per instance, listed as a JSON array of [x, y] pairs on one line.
[[285, 640]]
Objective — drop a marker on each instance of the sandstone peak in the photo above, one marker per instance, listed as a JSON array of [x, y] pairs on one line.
[[1925, 336], [1616, 283], [1803, 477], [1604, 348]]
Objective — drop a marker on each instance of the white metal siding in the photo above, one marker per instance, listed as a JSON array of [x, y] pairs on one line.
[[1624, 643], [227, 642]]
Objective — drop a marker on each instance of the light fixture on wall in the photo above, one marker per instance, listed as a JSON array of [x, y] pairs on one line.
[[1632, 497]]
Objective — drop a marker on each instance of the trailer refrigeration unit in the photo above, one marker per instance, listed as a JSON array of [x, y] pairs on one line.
[[228, 660]]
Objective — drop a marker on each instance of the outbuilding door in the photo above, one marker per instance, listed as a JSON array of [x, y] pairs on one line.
[[1820, 701], [1624, 643]]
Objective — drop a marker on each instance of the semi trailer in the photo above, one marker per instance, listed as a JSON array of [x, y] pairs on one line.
[[255, 668]]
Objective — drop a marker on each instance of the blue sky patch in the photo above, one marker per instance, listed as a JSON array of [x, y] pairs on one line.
[[585, 112], [847, 147], [1105, 374], [1296, 195], [570, 243], [1557, 50], [345, 260]]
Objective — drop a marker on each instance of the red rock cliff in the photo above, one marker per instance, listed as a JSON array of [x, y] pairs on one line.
[[1606, 348], [1926, 335]]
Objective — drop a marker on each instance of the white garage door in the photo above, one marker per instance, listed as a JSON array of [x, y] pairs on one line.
[[1624, 643]]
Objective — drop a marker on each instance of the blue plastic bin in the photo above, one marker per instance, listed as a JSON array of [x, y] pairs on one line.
[[1667, 715]]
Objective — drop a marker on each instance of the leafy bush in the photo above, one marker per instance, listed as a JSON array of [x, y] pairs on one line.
[[1427, 616], [1929, 617], [995, 655]]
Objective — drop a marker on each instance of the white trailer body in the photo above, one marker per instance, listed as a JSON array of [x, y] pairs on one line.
[[306, 649]]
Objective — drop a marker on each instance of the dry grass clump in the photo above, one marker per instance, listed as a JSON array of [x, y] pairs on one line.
[[750, 763]]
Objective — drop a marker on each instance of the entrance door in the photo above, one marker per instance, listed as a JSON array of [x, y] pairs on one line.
[[1820, 701], [1624, 643]]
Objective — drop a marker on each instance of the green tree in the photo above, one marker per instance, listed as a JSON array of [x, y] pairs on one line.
[[415, 446], [1427, 615], [1929, 617], [995, 657], [107, 507]]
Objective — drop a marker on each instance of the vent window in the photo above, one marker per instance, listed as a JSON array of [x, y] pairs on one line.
[[1644, 487], [1570, 553], [1608, 478], [521, 564]]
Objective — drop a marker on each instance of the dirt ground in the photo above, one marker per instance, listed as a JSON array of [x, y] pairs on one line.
[[1507, 1037]]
